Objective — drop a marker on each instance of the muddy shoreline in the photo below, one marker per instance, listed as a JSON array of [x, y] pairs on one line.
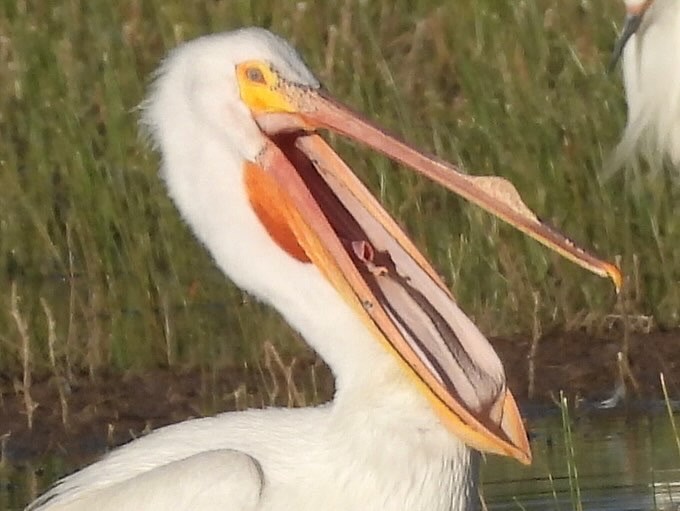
[[87, 416]]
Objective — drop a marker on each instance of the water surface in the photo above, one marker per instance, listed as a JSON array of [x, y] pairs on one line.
[[618, 463], [624, 463]]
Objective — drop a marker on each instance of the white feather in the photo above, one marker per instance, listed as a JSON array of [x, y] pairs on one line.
[[651, 72]]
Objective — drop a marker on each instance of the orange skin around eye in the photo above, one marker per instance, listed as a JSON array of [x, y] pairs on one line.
[[270, 203]]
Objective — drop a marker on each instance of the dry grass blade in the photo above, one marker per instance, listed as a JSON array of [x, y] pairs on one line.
[[535, 338], [59, 378], [275, 365], [22, 329]]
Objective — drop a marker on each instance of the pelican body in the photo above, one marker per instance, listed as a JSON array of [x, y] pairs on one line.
[[419, 390], [648, 45]]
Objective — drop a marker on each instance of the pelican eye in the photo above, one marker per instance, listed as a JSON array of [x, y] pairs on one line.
[[255, 74]]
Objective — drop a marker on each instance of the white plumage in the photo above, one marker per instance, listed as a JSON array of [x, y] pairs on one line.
[[651, 72]]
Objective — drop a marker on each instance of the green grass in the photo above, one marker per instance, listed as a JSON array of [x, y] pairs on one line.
[[517, 89]]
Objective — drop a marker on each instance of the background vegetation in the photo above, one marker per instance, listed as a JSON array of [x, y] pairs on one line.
[[98, 272]]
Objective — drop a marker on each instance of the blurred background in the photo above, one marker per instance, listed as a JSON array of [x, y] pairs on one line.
[[105, 292]]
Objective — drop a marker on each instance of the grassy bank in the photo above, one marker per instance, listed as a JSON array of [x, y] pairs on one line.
[[105, 275]]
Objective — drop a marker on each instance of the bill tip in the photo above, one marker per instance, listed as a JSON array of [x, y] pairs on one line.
[[614, 273]]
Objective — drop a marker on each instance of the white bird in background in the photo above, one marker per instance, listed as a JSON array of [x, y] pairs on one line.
[[418, 387], [650, 46]]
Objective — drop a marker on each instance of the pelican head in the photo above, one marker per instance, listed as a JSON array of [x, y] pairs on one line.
[[235, 117], [201, 82]]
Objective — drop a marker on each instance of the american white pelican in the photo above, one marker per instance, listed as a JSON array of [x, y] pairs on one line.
[[649, 43], [419, 388]]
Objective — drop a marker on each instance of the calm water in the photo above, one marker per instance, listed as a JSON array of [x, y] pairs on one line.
[[621, 463], [625, 464]]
